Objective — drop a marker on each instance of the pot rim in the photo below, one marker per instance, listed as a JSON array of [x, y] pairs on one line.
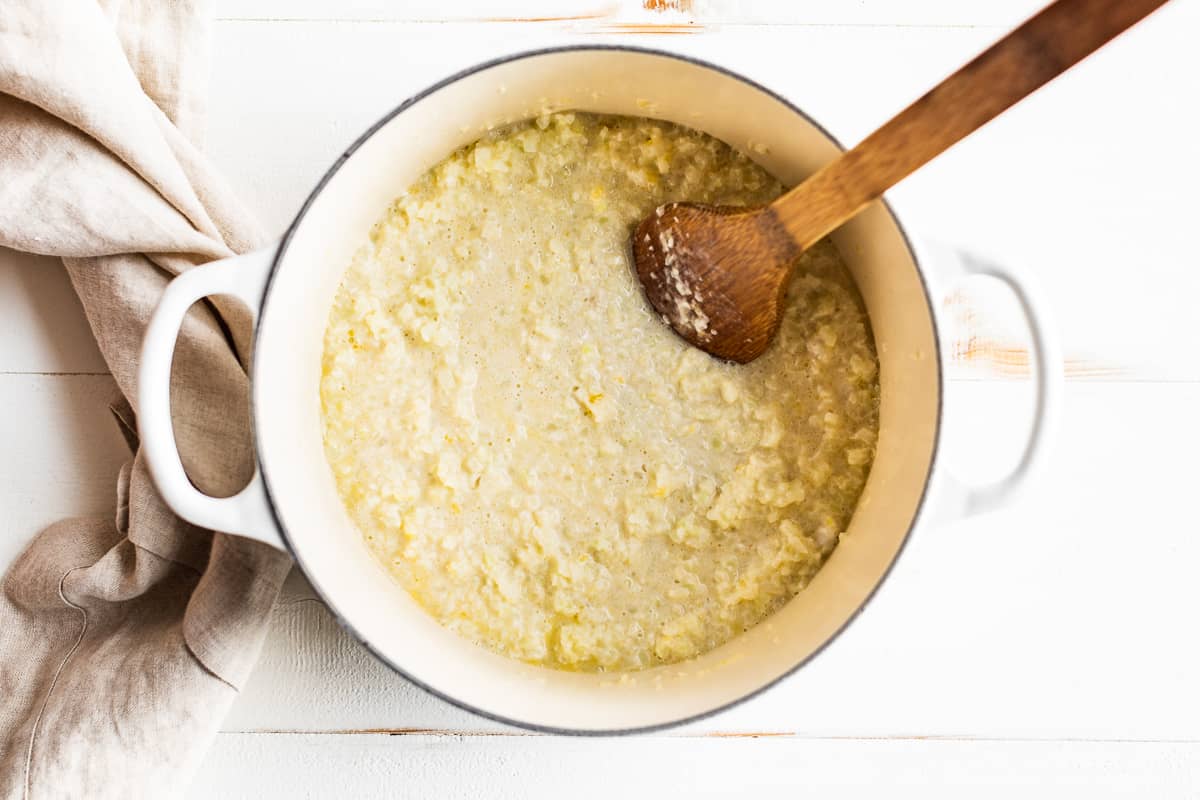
[[266, 482]]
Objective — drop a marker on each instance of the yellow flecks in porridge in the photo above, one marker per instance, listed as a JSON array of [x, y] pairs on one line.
[[535, 456]]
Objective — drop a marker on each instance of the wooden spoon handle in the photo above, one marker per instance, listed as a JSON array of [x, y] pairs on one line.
[[1044, 46]]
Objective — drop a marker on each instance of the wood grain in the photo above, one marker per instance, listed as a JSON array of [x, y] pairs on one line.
[[1079, 137], [1009, 626], [723, 13], [717, 276], [451, 767], [1029, 625], [1045, 46]]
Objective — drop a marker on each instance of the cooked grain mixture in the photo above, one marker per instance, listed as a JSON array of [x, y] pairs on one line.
[[535, 456]]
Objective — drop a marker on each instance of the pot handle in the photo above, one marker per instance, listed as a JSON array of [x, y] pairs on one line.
[[966, 499], [248, 512]]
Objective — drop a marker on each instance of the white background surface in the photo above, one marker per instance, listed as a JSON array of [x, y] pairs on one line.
[[1049, 649]]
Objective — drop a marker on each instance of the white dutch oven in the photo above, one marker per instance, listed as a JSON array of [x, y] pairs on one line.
[[292, 502]]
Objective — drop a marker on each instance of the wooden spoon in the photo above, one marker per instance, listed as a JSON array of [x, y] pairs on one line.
[[718, 275]]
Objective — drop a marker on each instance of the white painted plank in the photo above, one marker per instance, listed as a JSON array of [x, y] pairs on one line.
[[579, 15], [60, 453], [978, 636], [1081, 184], [1074, 184], [1064, 617], [1106, 241], [448, 767], [42, 325], [1053, 619]]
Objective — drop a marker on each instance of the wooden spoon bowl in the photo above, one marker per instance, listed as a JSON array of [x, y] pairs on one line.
[[691, 261], [718, 275]]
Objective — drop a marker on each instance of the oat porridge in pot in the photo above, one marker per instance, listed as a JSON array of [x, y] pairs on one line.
[[536, 457]]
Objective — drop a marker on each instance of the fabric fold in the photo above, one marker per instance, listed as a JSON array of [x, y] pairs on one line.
[[123, 640]]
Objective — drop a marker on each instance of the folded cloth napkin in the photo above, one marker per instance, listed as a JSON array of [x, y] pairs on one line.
[[123, 641]]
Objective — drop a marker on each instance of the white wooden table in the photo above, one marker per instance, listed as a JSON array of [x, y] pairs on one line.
[[1051, 647]]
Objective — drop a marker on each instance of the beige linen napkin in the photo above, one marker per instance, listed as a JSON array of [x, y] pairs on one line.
[[123, 641]]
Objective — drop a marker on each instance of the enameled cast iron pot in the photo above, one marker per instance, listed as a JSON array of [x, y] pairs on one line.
[[292, 502]]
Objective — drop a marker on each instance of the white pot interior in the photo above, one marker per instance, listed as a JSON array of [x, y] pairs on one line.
[[288, 363]]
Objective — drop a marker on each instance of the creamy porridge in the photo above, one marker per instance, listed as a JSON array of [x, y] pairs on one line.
[[535, 456]]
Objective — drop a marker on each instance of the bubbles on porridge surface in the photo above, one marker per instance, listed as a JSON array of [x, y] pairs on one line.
[[580, 454]]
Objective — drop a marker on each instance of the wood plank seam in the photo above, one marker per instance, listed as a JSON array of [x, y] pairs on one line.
[[494, 734], [582, 24], [53, 374]]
